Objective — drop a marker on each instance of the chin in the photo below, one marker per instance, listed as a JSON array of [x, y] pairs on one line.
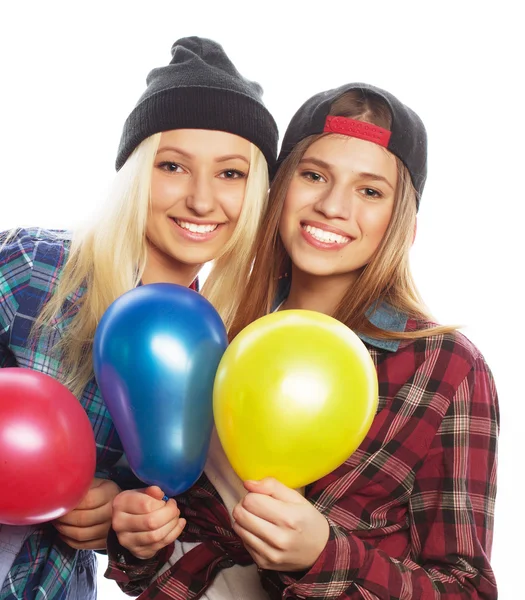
[[315, 268], [194, 255], [193, 260]]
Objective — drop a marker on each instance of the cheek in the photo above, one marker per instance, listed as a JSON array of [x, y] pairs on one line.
[[376, 224], [160, 195], [285, 221], [232, 202], [295, 201]]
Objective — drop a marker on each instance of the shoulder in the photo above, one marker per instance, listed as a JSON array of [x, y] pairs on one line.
[[20, 248], [31, 261], [442, 370], [25, 240], [451, 355], [452, 340]]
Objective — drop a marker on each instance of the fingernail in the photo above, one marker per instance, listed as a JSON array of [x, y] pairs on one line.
[[252, 481], [165, 498]]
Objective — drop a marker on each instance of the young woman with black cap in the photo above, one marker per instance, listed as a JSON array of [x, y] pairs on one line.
[[191, 187], [410, 513]]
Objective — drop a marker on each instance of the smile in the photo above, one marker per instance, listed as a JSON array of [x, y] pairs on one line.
[[196, 227], [327, 237]]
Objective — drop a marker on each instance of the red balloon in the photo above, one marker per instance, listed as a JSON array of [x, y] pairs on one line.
[[47, 448]]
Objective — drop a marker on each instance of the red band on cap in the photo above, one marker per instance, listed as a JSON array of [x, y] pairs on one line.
[[358, 129]]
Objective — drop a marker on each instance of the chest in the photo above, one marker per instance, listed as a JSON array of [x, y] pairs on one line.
[[372, 490]]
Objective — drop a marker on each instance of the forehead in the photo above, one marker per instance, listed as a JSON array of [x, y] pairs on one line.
[[345, 152], [205, 141]]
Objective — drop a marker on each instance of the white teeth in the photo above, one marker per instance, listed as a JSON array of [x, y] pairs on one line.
[[194, 228], [326, 236]]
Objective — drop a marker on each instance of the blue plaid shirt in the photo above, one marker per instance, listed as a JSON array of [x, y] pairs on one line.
[[30, 266]]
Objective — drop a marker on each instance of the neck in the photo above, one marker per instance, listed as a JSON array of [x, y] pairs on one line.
[[321, 294], [161, 268]]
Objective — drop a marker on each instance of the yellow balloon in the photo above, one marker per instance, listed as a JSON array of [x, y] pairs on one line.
[[294, 396]]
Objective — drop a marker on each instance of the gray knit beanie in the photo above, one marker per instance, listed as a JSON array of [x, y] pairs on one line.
[[200, 89]]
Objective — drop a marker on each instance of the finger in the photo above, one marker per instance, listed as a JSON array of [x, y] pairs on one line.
[[264, 530], [149, 549], [173, 534], [101, 492], [137, 502], [151, 521], [171, 537], [154, 491], [258, 559], [148, 538], [262, 553], [274, 488], [97, 481], [98, 544], [87, 518], [282, 514], [83, 534]]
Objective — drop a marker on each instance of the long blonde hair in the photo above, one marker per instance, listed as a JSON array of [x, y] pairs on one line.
[[387, 277], [108, 258]]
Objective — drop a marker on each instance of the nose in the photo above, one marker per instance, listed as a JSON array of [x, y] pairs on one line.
[[335, 203], [200, 199]]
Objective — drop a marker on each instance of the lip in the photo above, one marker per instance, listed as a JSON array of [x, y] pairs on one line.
[[194, 236], [309, 238]]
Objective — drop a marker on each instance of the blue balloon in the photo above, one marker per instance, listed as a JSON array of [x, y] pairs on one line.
[[155, 353]]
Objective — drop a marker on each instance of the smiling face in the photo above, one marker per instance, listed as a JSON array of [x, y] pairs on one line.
[[197, 192], [338, 206]]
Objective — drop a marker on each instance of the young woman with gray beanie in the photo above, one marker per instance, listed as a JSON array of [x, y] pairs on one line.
[[191, 186]]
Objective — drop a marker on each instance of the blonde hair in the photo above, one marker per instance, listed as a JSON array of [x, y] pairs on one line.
[[386, 278], [224, 285], [108, 258]]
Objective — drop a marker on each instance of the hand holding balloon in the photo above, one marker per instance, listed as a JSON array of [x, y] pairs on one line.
[[144, 522], [279, 528], [86, 527]]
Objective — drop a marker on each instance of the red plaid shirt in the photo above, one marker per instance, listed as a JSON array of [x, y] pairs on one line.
[[411, 511]]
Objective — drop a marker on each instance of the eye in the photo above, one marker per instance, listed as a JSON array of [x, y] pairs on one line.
[[232, 174], [313, 176], [371, 193], [170, 167]]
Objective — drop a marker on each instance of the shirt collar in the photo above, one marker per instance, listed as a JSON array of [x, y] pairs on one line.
[[383, 316]]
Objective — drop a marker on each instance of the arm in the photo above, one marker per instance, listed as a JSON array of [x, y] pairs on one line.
[[132, 574], [86, 526], [141, 540], [450, 517]]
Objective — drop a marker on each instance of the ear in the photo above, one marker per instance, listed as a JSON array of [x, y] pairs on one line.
[[415, 231]]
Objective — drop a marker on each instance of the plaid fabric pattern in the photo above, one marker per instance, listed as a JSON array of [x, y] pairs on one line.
[[30, 265], [411, 511]]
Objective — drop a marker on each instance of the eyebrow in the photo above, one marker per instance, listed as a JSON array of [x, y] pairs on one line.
[[232, 157], [363, 175], [192, 156]]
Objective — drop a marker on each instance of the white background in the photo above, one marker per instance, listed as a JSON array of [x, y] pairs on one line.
[[71, 72]]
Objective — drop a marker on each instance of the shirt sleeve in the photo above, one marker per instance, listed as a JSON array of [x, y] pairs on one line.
[[133, 575], [16, 263], [451, 513]]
